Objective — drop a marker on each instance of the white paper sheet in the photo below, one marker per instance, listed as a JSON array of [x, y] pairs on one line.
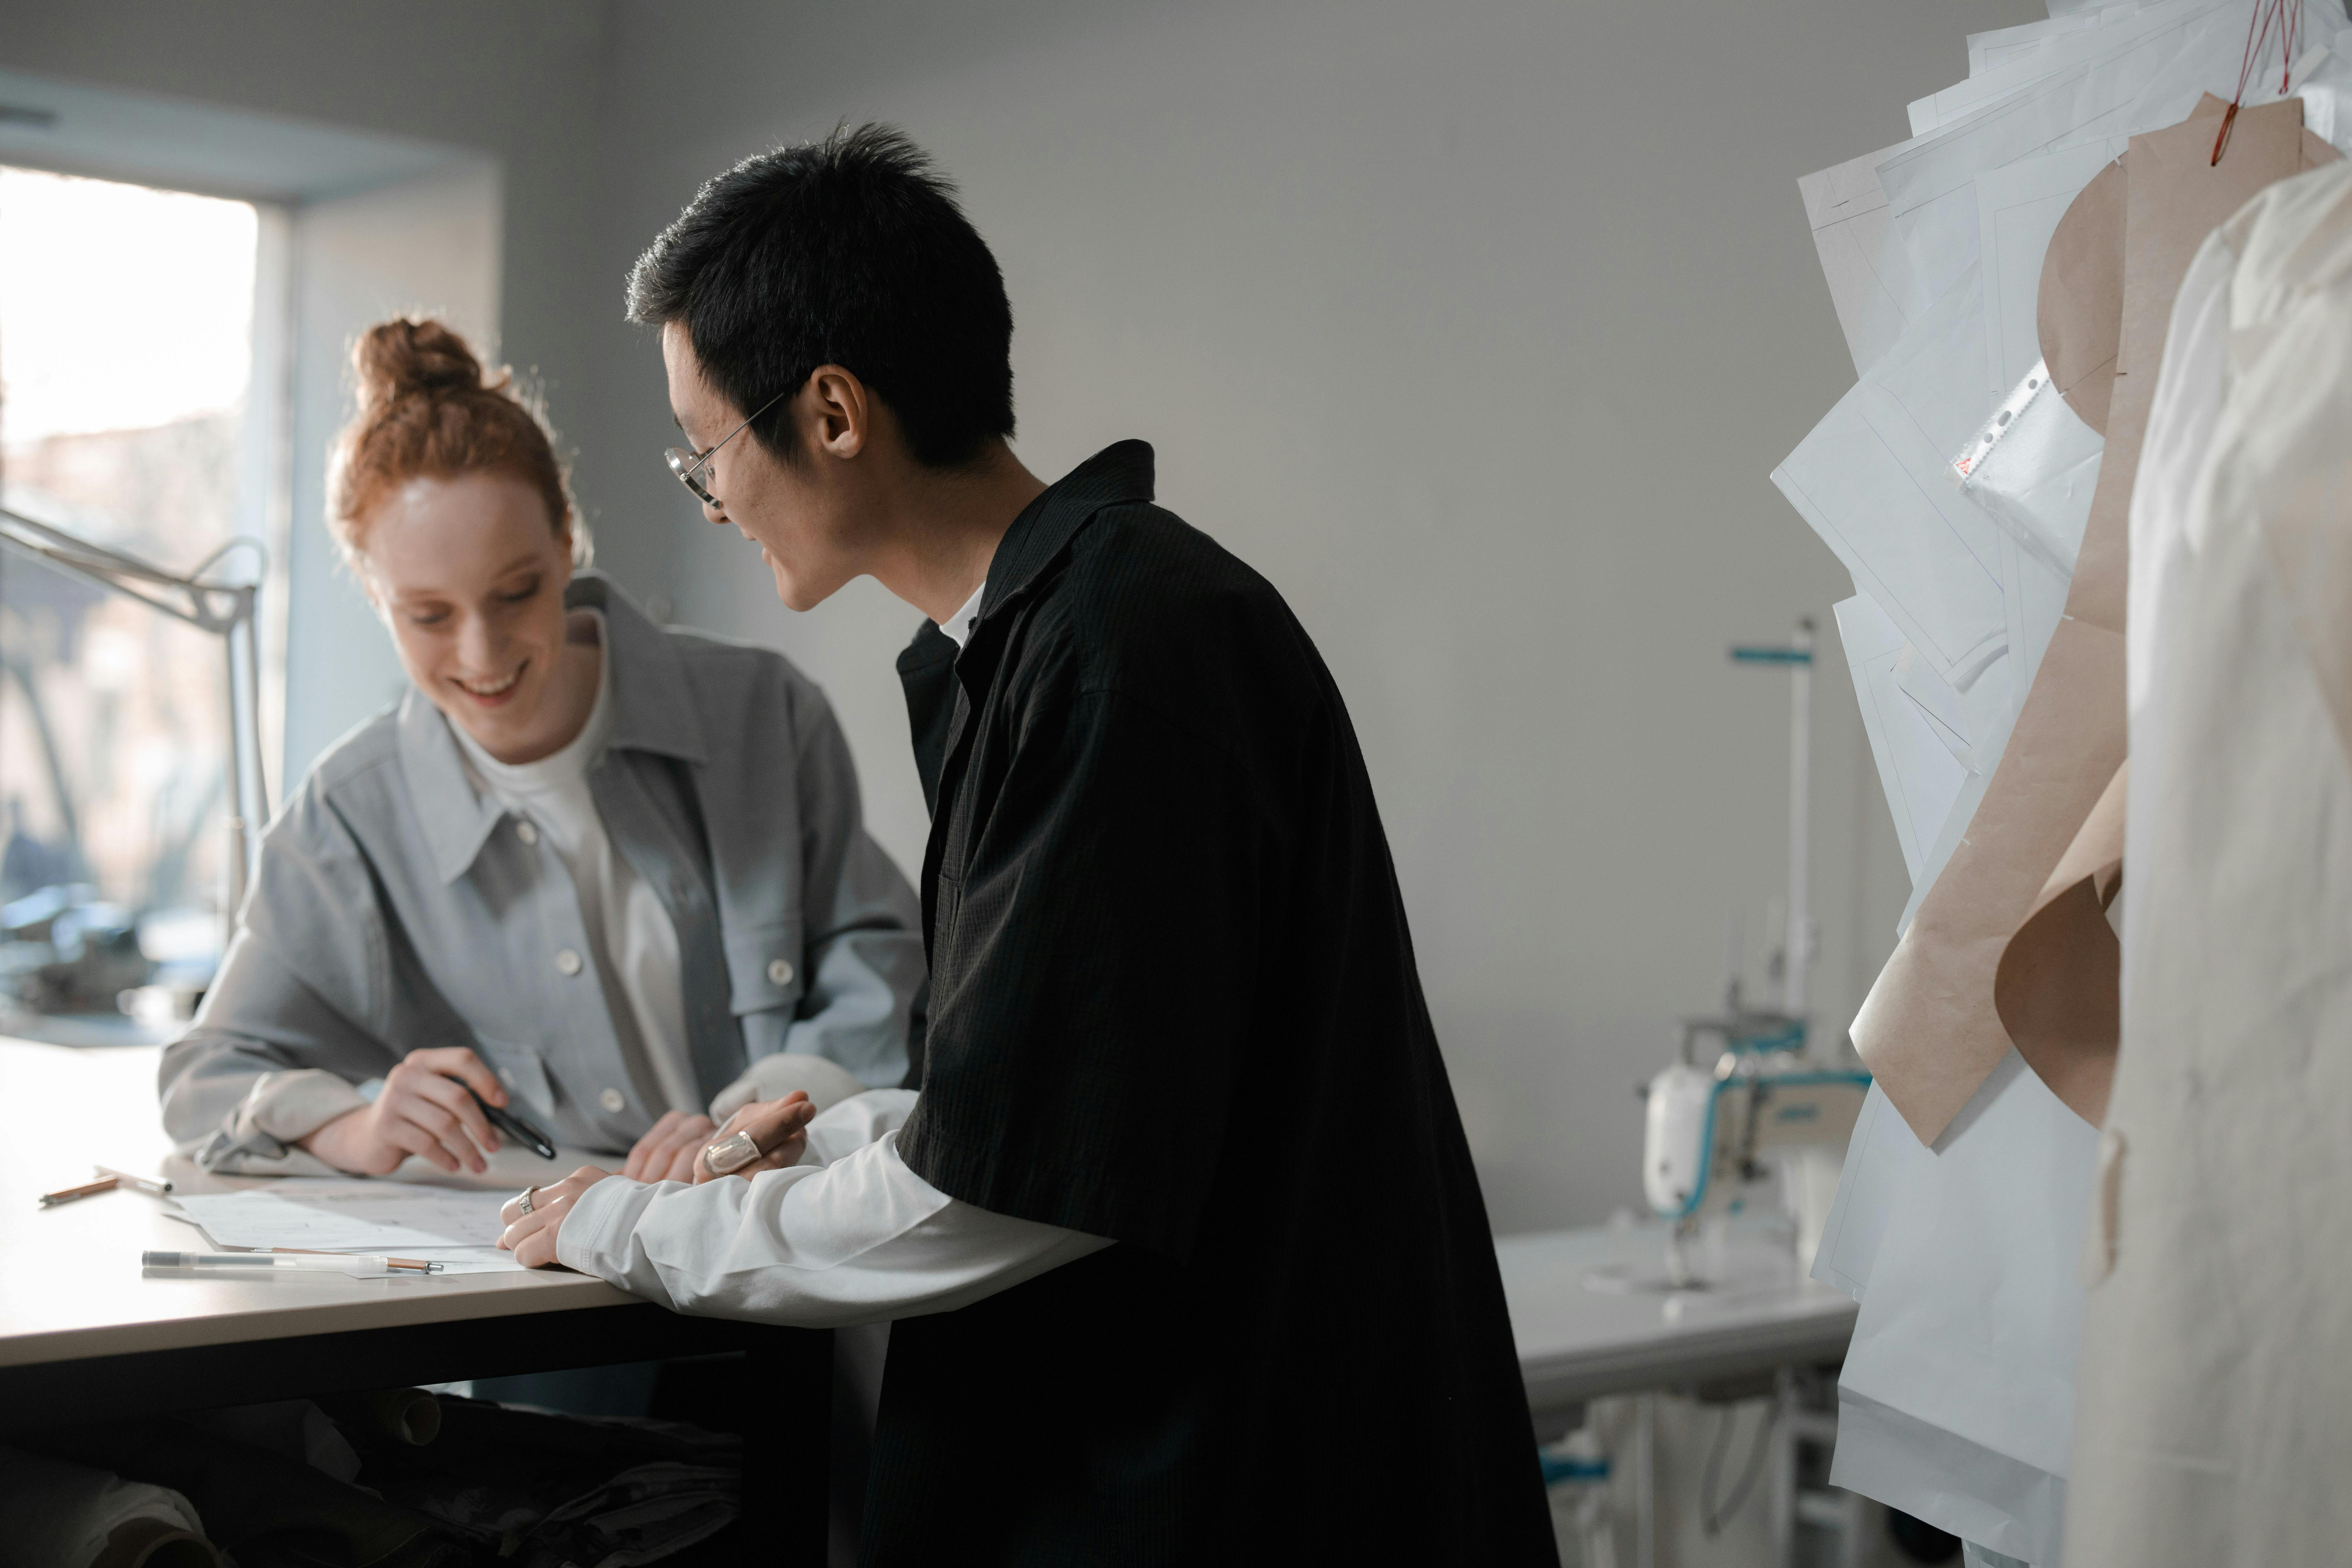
[[2105, 38], [2325, 85], [1972, 1319], [1929, 182], [1919, 775], [1878, 1162], [1965, 718], [348, 1216], [467, 1259], [1874, 288], [1990, 50], [2211, 52], [2035, 599], [2018, 208], [1874, 480]]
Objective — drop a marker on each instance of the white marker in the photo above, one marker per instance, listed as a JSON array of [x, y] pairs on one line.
[[153, 1186], [301, 1262]]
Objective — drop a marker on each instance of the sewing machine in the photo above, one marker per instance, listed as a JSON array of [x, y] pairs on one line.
[[1713, 1135], [1716, 1133]]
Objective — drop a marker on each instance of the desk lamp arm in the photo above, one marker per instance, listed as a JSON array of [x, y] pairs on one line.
[[225, 610]]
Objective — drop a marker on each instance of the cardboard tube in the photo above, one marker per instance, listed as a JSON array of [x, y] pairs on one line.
[[407, 1416]]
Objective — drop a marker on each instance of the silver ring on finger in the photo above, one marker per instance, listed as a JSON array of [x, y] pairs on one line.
[[523, 1204], [730, 1153]]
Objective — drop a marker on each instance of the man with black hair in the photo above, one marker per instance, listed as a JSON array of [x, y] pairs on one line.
[[1176, 1220]]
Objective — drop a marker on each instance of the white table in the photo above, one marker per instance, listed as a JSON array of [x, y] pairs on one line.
[[85, 1335], [1577, 1343]]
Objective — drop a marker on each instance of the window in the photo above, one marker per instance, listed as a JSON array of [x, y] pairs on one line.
[[131, 415]]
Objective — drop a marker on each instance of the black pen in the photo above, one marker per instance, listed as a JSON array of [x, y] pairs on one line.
[[514, 1126]]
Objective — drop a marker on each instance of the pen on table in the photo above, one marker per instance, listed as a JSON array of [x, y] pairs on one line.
[[87, 1189], [514, 1126], [153, 1186], [286, 1259], [109, 1178]]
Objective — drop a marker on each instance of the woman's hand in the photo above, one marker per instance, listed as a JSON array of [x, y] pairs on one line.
[[424, 1111], [667, 1153], [531, 1237], [779, 1128]]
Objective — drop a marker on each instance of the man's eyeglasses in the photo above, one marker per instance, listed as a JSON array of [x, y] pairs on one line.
[[688, 466]]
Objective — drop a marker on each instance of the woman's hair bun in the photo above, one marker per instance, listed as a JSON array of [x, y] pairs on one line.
[[406, 357], [428, 411]]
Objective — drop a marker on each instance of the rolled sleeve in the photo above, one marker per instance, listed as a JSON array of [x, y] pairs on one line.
[[860, 1240]]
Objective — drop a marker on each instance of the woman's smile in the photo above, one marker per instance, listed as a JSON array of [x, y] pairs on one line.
[[490, 693]]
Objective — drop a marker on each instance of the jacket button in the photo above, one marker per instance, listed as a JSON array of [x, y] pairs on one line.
[[614, 1100], [567, 962], [779, 973], [528, 832]]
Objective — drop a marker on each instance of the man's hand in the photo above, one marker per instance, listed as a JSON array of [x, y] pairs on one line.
[[667, 1153], [780, 1127], [531, 1237], [424, 1111]]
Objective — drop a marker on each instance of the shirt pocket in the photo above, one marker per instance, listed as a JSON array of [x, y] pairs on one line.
[[764, 964], [523, 1069]]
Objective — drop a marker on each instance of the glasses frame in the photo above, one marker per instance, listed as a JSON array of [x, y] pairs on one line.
[[688, 464]]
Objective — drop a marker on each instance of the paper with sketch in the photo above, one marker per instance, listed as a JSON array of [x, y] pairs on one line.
[[2033, 596], [1929, 1029], [1990, 50], [2105, 39], [2018, 208], [2152, 80], [348, 1216], [1875, 285], [1872, 478], [1874, 288]]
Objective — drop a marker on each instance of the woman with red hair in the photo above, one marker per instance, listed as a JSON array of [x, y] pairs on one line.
[[608, 876]]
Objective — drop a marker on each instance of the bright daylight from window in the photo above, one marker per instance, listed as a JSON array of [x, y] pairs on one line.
[[126, 332]]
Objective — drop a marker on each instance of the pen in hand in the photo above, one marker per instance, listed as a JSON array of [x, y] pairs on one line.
[[514, 1126]]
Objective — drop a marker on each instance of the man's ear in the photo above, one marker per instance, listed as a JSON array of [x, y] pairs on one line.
[[838, 411]]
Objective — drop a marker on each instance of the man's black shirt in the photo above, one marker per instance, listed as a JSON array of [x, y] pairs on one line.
[[1173, 1002]]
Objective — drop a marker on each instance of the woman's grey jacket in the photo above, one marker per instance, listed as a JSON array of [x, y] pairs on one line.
[[393, 907]]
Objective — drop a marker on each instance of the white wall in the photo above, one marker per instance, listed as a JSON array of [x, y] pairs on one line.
[[1477, 328], [431, 243]]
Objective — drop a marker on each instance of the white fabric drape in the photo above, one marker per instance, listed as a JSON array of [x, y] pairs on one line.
[[2214, 1415]]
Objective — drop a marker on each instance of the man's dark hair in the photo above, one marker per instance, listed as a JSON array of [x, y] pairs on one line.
[[848, 251]]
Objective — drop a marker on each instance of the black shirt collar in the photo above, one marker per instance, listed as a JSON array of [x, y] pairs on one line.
[[1121, 471]]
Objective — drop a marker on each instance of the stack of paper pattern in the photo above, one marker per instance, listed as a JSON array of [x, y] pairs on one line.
[[1956, 482]]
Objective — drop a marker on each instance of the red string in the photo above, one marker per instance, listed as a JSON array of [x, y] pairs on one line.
[[2288, 14]]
